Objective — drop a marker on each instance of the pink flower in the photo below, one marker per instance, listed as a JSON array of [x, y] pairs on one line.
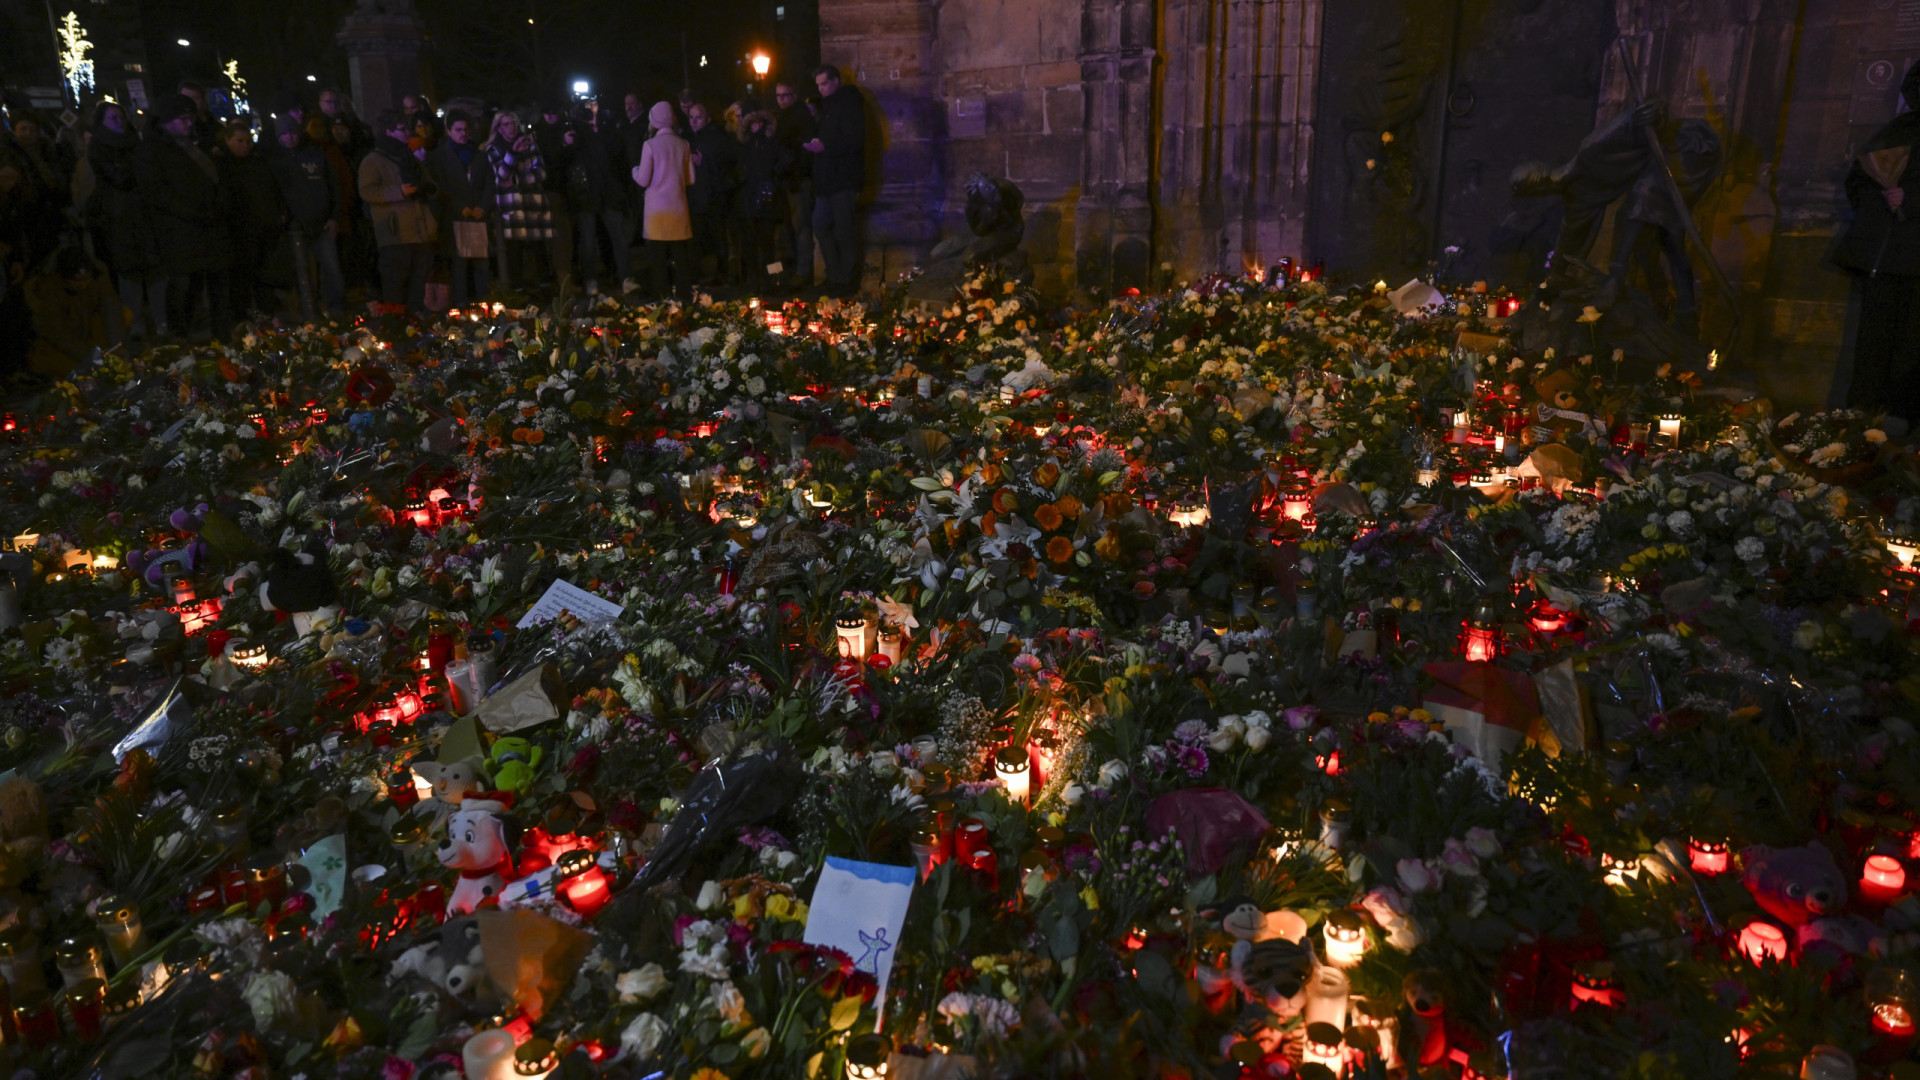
[[1385, 905], [1483, 842], [1026, 662], [1301, 717], [1416, 876], [1458, 860]]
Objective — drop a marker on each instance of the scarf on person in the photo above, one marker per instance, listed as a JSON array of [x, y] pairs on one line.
[[402, 157]]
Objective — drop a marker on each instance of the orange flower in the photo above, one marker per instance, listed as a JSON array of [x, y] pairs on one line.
[[1143, 589], [1108, 546], [1068, 505], [1005, 502], [536, 436], [1047, 516], [1046, 474], [987, 521], [1060, 549], [990, 473]]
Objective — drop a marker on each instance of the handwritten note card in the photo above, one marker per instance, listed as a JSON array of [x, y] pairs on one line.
[[565, 596]]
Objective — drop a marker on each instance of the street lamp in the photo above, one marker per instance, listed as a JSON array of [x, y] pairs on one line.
[[185, 44], [762, 63], [581, 88]]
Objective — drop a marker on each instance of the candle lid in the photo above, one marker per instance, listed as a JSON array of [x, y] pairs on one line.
[[1011, 759], [1336, 809], [123, 997], [1321, 1033], [86, 992], [535, 1056]]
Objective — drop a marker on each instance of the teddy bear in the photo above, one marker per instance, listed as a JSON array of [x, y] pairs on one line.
[[479, 845], [23, 837], [452, 782], [1804, 888], [513, 763]]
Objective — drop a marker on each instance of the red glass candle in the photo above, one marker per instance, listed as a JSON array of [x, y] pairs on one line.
[[35, 1021], [1762, 941], [1707, 856], [1883, 879]]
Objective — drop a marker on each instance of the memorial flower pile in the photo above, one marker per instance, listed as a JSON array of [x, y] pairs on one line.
[[1254, 680]]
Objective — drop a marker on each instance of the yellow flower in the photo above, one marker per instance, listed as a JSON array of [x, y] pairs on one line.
[[1090, 898], [745, 907], [710, 1073]]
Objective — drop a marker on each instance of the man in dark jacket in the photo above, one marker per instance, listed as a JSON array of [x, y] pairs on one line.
[[466, 190], [553, 134], [180, 186], [311, 191], [121, 219], [1882, 250], [839, 152], [597, 181], [716, 160], [256, 221], [793, 130]]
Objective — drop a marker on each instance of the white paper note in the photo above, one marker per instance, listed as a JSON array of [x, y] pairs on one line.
[[565, 596], [859, 908]]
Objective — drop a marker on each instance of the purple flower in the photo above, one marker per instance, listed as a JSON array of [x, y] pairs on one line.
[[1301, 717], [1194, 760]]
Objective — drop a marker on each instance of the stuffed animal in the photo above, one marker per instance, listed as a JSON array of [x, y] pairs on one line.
[[23, 837], [296, 581], [466, 961], [514, 761], [451, 782], [152, 565], [478, 846], [1425, 1040], [1795, 885]]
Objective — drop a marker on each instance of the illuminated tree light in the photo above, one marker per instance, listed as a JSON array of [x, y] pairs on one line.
[[75, 65]]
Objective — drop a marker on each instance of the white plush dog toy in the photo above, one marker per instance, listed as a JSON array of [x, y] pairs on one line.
[[477, 846]]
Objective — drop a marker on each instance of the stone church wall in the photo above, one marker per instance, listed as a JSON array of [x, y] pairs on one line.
[[1183, 132]]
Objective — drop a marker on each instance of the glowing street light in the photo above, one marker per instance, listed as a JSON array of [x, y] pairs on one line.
[[762, 63], [185, 44], [581, 88]]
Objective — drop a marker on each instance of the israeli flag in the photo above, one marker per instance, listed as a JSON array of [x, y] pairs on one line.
[[859, 908]]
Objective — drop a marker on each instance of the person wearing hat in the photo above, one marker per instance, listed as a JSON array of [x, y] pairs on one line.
[[311, 190], [665, 170], [399, 200], [180, 185]]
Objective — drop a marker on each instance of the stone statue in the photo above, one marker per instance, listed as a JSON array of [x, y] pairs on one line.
[[1616, 164], [994, 217]]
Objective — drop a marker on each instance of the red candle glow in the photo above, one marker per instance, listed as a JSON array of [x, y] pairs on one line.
[[1883, 879], [1707, 856], [1893, 1018], [1763, 940]]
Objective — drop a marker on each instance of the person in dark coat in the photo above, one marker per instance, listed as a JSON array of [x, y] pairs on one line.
[[839, 152], [120, 220], [47, 188], [793, 130], [256, 220], [597, 186], [180, 186], [464, 178], [760, 204], [310, 187], [1882, 251], [554, 136], [399, 197], [710, 197]]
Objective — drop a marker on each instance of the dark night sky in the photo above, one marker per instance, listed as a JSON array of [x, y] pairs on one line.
[[483, 48]]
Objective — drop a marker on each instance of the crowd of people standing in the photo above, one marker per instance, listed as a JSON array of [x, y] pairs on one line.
[[179, 223]]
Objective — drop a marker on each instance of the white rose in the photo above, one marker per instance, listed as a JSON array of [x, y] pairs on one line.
[[710, 896], [642, 1037], [1112, 773], [641, 984], [1072, 794], [1257, 738], [270, 994]]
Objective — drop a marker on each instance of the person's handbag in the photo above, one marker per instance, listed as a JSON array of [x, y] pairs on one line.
[[470, 239]]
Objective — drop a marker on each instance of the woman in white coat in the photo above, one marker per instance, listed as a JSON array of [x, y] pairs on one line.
[[665, 170]]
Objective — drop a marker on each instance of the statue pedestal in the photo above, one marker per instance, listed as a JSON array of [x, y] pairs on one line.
[[386, 45]]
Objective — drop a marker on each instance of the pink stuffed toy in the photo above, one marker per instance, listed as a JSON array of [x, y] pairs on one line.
[[1803, 888], [478, 846]]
